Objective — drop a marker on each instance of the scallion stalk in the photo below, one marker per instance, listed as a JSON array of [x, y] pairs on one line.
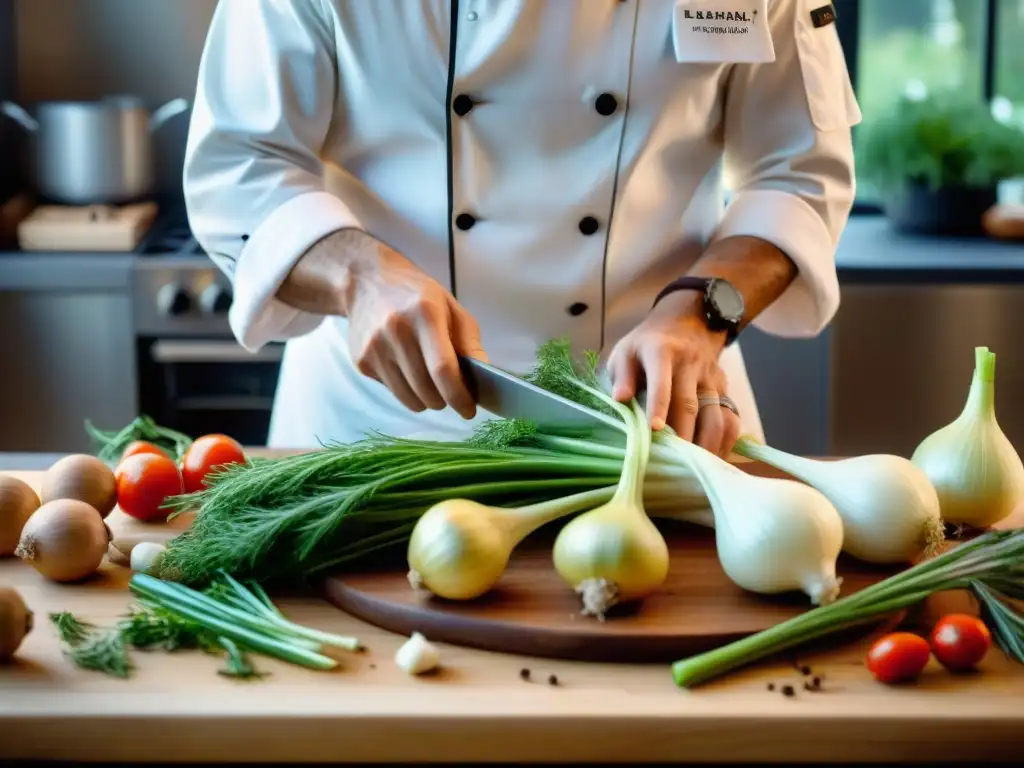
[[248, 632], [993, 556]]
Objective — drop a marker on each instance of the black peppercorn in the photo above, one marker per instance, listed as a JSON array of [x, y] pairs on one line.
[[787, 690], [553, 680], [524, 673]]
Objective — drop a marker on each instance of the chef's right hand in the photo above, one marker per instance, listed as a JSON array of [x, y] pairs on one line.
[[405, 331]]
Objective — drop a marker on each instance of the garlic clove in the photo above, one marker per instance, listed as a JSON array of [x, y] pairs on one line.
[[146, 556], [417, 656]]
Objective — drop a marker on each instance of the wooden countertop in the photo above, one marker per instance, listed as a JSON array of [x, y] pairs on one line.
[[177, 708]]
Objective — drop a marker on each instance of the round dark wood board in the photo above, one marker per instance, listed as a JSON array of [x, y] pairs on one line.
[[533, 612]]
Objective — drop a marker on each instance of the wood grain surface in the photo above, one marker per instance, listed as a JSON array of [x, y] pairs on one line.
[[176, 708], [533, 612]]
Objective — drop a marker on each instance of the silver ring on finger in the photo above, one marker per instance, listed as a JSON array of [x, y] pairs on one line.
[[726, 402], [706, 400]]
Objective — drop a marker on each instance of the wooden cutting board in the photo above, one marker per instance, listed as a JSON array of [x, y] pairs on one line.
[[534, 613], [86, 228]]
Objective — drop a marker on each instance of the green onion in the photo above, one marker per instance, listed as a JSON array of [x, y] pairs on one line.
[[249, 631], [994, 556]]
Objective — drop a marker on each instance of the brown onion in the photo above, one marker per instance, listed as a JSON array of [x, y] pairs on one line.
[[65, 540], [15, 622], [17, 503], [83, 478]]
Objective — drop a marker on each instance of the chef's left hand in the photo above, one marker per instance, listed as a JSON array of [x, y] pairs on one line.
[[674, 354]]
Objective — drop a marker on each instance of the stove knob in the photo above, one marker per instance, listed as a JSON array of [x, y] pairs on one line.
[[215, 300], [173, 300]]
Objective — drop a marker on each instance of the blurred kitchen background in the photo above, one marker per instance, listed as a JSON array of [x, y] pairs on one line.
[[106, 313]]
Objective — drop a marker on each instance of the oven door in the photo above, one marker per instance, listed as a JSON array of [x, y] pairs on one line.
[[199, 386]]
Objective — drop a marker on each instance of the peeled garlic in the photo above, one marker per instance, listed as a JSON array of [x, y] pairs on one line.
[[417, 655], [975, 470], [146, 556]]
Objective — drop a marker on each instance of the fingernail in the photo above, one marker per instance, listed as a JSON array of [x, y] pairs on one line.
[[658, 424]]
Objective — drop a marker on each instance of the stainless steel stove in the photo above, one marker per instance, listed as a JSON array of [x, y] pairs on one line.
[[178, 290], [193, 375]]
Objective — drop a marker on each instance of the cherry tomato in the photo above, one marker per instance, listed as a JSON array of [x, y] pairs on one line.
[[144, 481], [898, 657], [141, 446], [205, 454], [959, 641]]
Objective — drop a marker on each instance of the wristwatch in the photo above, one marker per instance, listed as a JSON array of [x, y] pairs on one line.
[[723, 304]]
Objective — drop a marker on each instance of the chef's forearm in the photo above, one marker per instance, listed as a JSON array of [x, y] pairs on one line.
[[756, 268], [321, 280]]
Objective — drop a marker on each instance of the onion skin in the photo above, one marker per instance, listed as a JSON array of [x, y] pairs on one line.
[[83, 478], [458, 550], [15, 623], [17, 504], [65, 540]]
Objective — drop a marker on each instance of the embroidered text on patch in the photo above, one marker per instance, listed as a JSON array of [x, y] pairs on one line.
[[718, 15]]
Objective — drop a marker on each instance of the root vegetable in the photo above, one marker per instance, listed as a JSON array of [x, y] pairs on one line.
[[977, 473], [459, 549], [772, 535], [83, 478], [65, 540], [15, 622], [17, 503], [889, 508]]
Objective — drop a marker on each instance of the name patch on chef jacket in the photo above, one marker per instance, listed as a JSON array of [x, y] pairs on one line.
[[722, 31]]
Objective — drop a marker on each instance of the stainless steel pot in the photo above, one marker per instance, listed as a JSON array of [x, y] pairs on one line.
[[91, 152]]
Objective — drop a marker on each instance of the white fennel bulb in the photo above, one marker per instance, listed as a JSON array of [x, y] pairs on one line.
[[772, 535], [974, 468], [614, 553], [889, 508]]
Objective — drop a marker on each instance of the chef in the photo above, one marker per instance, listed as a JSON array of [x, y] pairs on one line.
[[390, 183]]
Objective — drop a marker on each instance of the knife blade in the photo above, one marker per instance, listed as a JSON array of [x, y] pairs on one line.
[[510, 397]]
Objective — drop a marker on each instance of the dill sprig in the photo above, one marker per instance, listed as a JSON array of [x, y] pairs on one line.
[[103, 652], [70, 628], [302, 514], [558, 371]]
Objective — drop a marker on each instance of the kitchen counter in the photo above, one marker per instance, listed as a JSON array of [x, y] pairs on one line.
[[870, 250], [177, 708]]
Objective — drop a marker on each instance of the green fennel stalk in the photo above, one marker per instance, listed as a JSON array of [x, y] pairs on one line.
[[996, 556]]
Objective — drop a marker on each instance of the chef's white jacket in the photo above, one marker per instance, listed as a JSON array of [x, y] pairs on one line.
[[555, 163]]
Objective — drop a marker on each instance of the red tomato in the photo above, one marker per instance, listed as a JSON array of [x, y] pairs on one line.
[[141, 446], [959, 641], [206, 453], [144, 481], [898, 657]]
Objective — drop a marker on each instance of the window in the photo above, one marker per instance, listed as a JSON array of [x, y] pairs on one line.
[[914, 47]]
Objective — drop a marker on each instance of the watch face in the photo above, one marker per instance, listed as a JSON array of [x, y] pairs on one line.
[[728, 302]]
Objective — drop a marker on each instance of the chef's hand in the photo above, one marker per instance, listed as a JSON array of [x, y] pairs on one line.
[[405, 330], [676, 356]]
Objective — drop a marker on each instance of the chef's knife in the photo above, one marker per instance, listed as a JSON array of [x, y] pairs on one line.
[[510, 397]]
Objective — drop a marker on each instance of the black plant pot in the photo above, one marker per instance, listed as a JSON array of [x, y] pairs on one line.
[[918, 209]]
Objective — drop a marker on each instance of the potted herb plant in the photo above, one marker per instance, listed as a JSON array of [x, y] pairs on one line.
[[937, 163]]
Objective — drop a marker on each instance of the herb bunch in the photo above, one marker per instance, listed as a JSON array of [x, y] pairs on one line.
[[226, 618]]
